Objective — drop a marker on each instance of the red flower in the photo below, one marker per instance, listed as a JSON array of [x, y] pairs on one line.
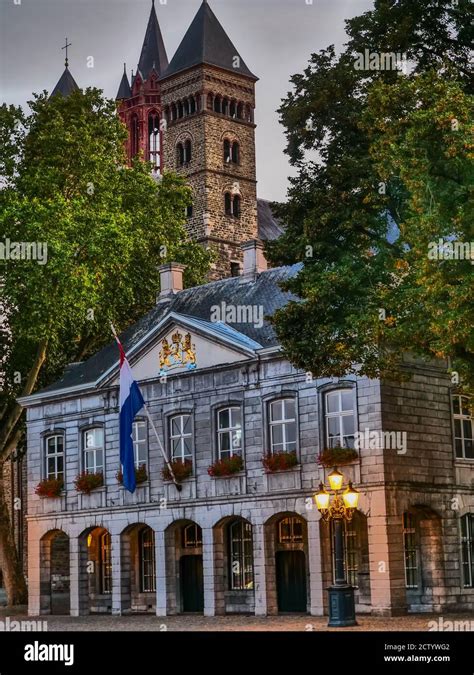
[[280, 461], [226, 467]]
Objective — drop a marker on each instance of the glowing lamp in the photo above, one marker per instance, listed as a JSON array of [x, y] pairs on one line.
[[322, 498], [351, 497], [335, 479]]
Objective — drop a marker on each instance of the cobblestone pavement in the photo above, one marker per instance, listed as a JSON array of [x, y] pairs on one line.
[[413, 622]]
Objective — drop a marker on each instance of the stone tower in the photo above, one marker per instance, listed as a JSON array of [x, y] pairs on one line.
[[139, 105], [204, 103]]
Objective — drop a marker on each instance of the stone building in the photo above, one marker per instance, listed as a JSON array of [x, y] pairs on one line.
[[220, 392]]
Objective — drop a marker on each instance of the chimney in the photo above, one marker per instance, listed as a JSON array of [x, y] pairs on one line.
[[254, 259], [171, 280]]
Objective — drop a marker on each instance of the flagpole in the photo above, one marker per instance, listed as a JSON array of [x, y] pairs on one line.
[[179, 487]]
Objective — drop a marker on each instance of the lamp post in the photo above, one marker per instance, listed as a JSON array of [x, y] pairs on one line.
[[336, 507]]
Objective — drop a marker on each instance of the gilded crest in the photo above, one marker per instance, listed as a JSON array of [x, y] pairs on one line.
[[181, 352]]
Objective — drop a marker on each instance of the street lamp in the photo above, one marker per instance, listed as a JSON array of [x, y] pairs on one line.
[[338, 509]]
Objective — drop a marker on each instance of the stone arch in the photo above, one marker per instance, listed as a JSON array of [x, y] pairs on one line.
[[277, 543], [138, 568], [183, 546], [234, 565], [54, 572], [95, 570], [423, 530]]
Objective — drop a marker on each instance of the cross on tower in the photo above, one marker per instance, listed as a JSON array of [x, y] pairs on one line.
[[66, 63]]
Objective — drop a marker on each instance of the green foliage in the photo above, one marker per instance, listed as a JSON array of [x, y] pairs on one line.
[[374, 149], [107, 227]]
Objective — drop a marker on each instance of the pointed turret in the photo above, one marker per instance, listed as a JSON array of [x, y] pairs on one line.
[[153, 55], [124, 91], [206, 42], [66, 85]]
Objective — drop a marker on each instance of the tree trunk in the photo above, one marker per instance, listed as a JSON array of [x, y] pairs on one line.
[[12, 572]]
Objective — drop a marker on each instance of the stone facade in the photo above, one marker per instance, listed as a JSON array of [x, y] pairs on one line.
[[423, 480], [14, 482]]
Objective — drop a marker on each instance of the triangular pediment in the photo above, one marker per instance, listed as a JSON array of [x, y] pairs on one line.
[[184, 344]]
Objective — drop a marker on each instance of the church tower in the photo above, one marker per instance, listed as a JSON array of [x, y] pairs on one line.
[[139, 105], [208, 100], [195, 116]]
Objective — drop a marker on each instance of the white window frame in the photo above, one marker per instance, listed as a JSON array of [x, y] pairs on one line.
[[339, 414], [137, 442], [234, 431], [462, 418], [467, 550], [241, 556], [180, 436], [283, 422], [95, 467], [54, 455]]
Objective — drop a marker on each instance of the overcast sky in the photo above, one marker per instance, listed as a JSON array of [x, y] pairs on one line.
[[274, 37]]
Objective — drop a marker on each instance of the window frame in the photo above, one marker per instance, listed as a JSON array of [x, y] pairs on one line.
[[172, 437], [411, 548], [466, 533], [339, 414], [147, 556], [461, 418], [221, 431], [241, 580], [84, 431], [273, 423], [105, 563], [136, 422], [47, 437]]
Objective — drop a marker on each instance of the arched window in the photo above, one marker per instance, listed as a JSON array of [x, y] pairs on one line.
[[236, 210], [228, 204], [210, 102], [248, 113], [192, 536], [187, 151], [290, 531], [282, 421], [241, 556], [340, 418], [232, 109], [192, 105], [180, 110], [225, 106], [217, 104], [174, 112], [410, 549], [154, 140], [135, 136], [229, 432], [236, 153], [147, 561], [186, 107], [463, 427], [93, 450], [54, 457], [227, 151], [240, 111], [180, 154]]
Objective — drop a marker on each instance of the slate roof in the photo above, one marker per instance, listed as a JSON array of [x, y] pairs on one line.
[[124, 91], [196, 303], [66, 84], [269, 227], [153, 53], [206, 42]]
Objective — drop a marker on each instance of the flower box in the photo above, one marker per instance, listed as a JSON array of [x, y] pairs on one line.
[[141, 475], [181, 470], [279, 461], [337, 456], [50, 488], [86, 482], [226, 467]]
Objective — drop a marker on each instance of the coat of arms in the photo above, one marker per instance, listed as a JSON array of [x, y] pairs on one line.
[[181, 352]]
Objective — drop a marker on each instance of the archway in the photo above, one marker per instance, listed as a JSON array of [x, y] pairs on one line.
[[234, 572], [138, 565], [54, 573], [286, 554], [95, 571], [184, 568]]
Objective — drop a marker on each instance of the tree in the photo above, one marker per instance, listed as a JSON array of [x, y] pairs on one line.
[[106, 226], [384, 164]]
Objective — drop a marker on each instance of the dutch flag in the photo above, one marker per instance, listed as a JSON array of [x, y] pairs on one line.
[[131, 401]]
